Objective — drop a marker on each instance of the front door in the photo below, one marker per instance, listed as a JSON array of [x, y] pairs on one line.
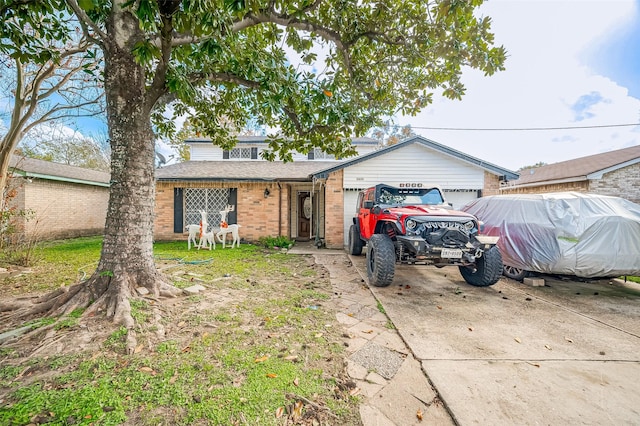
[[304, 216]]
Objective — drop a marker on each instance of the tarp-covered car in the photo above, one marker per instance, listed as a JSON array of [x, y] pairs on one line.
[[568, 233]]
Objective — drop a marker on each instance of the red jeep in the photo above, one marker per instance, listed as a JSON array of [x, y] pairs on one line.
[[414, 225]]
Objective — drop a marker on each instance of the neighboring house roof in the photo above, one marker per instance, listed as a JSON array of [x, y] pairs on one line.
[[241, 170], [263, 140], [41, 169], [489, 167], [583, 168]]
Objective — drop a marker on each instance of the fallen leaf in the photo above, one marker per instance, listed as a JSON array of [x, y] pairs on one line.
[[147, 370], [568, 340], [296, 382], [439, 307], [173, 379], [517, 339], [261, 359], [272, 375], [181, 324], [318, 335], [349, 315], [279, 412], [407, 286], [470, 328], [291, 358], [354, 391], [327, 93], [547, 346], [368, 331], [534, 364], [419, 414], [138, 348], [297, 410], [186, 349]]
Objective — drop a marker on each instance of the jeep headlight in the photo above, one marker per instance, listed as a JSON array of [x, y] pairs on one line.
[[412, 226], [469, 225]]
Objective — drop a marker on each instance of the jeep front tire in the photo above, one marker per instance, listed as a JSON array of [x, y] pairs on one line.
[[355, 242], [487, 271], [381, 260]]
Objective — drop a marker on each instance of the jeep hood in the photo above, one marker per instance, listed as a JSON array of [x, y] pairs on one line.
[[427, 210]]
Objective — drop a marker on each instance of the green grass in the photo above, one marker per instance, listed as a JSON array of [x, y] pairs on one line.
[[227, 363]]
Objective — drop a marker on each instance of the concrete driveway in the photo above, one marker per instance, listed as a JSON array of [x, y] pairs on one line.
[[565, 353]]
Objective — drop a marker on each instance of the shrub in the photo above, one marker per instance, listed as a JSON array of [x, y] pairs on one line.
[[271, 242]]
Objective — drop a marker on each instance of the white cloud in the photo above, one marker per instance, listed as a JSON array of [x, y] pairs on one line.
[[545, 79]]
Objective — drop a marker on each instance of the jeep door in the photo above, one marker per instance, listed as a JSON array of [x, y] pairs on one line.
[[365, 216]]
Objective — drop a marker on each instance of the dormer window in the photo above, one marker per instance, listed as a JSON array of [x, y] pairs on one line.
[[243, 153], [319, 154]]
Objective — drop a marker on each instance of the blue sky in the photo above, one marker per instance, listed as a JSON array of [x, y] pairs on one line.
[[618, 54], [571, 63]]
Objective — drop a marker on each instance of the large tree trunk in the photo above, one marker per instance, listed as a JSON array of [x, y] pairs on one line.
[[126, 262]]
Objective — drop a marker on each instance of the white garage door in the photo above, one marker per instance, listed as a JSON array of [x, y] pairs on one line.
[[350, 200], [459, 198]]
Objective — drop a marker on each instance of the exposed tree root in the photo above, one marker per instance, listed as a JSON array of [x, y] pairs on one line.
[[105, 295]]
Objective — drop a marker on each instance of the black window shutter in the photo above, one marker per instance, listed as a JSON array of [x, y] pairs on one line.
[[310, 155], [225, 154], [233, 200], [254, 153], [178, 213]]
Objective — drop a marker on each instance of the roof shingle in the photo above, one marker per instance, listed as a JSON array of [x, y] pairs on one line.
[[242, 170], [42, 168], [578, 167]]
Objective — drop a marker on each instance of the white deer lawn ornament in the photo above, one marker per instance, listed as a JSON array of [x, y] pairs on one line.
[[206, 239], [228, 229], [194, 231]]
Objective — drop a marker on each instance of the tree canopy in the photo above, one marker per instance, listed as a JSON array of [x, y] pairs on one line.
[[318, 72]]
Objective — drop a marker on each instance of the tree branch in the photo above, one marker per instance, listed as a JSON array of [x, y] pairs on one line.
[[87, 24]]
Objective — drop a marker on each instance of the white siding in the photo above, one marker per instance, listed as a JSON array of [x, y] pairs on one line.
[[365, 149], [209, 152], [414, 164], [205, 152]]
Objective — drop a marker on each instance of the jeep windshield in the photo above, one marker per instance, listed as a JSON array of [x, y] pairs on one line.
[[391, 196]]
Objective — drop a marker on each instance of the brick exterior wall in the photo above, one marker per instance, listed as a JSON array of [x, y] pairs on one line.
[[582, 186], [257, 216], [491, 184], [624, 182], [63, 209], [334, 211]]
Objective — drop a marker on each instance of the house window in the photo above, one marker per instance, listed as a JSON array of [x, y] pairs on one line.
[[319, 154], [211, 200], [243, 153]]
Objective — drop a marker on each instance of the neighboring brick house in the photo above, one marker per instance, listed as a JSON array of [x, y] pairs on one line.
[[311, 198], [66, 201], [614, 173]]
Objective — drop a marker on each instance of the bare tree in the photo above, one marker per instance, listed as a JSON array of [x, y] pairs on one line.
[[65, 84]]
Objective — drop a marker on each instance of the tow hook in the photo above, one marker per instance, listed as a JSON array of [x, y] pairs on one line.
[[479, 253]]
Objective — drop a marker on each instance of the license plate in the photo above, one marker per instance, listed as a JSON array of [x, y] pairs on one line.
[[451, 253]]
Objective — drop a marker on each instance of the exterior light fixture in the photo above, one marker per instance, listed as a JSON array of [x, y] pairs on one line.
[[266, 193]]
